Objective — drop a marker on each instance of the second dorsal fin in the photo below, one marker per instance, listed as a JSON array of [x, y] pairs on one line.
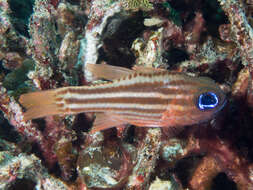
[[143, 69], [108, 72]]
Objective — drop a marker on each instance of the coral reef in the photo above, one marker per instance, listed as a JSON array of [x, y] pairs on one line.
[[22, 171], [46, 44]]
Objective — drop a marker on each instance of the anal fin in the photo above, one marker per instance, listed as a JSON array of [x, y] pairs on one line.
[[105, 121]]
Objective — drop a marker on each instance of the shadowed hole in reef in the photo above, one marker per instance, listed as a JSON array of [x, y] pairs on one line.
[[238, 122], [80, 125], [73, 2], [55, 169], [174, 56], [221, 182], [185, 168], [129, 137], [7, 131], [212, 12], [120, 35], [214, 16], [41, 124], [3, 71], [225, 71], [20, 14], [36, 150], [26, 184]]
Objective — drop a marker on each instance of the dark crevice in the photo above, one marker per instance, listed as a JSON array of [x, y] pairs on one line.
[[73, 2], [7, 131], [19, 184], [185, 167], [20, 14], [214, 16], [221, 182], [120, 36], [174, 56]]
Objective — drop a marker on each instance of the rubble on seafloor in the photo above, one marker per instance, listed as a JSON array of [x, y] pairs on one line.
[[46, 44]]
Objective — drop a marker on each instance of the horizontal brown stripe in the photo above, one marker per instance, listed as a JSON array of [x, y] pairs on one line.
[[133, 87], [131, 100], [132, 112], [116, 110], [138, 87], [183, 82], [138, 83], [181, 113], [144, 117], [182, 102]]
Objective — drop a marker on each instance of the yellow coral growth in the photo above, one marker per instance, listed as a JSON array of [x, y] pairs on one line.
[[136, 5]]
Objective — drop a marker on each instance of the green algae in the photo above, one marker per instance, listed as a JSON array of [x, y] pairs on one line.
[[17, 77], [174, 14]]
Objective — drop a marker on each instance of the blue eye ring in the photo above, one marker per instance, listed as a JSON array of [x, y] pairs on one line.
[[208, 100]]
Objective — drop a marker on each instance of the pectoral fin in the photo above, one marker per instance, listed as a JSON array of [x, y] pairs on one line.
[[106, 121]]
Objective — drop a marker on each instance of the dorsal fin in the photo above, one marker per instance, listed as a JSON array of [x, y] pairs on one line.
[[143, 69], [108, 72]]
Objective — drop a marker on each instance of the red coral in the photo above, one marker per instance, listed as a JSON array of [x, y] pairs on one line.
[[54, 3]]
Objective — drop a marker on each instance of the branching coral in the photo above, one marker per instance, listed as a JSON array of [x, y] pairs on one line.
[[65, 35], [242, 31]]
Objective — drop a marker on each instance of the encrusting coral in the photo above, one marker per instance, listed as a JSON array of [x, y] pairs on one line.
[[52, 43]]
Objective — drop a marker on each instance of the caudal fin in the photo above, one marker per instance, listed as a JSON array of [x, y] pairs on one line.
[[39, 104]]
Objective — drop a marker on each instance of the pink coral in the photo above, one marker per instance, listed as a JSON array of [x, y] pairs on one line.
[[61, 43]]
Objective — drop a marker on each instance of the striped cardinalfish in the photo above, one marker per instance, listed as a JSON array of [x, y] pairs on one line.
[[144, 98]]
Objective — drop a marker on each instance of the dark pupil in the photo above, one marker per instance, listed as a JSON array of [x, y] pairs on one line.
[[207, 100]]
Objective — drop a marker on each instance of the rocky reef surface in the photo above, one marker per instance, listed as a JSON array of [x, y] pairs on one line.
[[46, 44]]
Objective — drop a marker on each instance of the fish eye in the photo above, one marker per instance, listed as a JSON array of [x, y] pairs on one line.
[[207, 101]]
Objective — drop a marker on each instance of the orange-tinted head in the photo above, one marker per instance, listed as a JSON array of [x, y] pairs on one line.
[[201, 100]]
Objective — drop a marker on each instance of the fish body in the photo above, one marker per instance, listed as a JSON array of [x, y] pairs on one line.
[[151, 99]]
